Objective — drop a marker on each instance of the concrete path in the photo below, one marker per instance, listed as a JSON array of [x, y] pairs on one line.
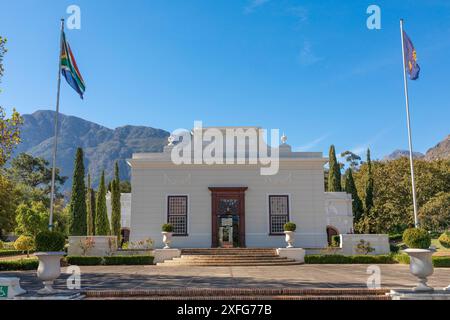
[[300, 276]]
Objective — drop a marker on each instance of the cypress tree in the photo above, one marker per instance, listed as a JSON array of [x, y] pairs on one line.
[[334, 173], [115, 203], [369, 184], [90, 205], [350, 188], [102, 227], [78, 212]]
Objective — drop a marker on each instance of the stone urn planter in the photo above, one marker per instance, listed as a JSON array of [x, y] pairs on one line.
[[289, 229], [167, 231], [290, 238], [421, 266], [49, 247], [418, 241], [167, 239], [49, 269]]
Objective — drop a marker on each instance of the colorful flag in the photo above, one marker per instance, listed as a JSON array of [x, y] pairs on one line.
[[410, 58], [69, 68]]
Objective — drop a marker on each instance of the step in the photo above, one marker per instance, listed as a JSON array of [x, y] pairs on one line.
[[227, 264], [228, 257], [242, 294]]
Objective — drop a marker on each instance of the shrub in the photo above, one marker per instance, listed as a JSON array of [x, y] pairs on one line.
[[8, 253], [128, 260], [290, 226], [444, 239], [24, 243], [84, 261], [340, 259], [14, 265], [417, 238], [441, 262], [336, 241], [394, 248], [47, 241], [1, 245], [167, 227], [401, 258]]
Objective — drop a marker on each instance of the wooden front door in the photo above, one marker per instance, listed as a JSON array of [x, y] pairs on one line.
[[228, 217]]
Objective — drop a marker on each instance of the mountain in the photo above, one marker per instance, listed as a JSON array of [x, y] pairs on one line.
[[440, 151], [102, 146], [402, 153]]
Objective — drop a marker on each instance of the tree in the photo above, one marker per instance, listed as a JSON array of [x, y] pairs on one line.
[[125, 187], [31, 218], [435, 214], [33, 177], [392, 209], [369, 185], [8, 204], [102, 227], [90, 207], [350, 188], [115, 203], [78, 212], [334, 174], [352, 159]]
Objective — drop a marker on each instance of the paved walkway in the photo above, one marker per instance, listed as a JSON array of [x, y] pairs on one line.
[[300, 276]]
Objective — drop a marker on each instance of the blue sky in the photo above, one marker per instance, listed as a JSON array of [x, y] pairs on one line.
[[310, 68]]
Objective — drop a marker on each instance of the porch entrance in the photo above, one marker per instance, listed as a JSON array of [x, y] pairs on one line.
[[228, 217]]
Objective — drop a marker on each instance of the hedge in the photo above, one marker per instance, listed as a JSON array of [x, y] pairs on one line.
[[110, 261], [438, 261], [340, 259], [128, 260], [84, 261], [7, 253], [22, 264]]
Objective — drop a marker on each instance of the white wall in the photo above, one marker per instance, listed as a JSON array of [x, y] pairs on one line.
[[339, 213], [302, 180], [380, 242], [125, 209]]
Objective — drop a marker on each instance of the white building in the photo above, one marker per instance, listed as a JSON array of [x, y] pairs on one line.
[[125, 212], [234, 205]]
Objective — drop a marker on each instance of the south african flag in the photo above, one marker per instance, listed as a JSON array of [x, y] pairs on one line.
[[69, 68]]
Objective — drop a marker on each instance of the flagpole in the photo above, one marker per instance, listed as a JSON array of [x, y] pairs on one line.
[[55, 142], [416, 220]]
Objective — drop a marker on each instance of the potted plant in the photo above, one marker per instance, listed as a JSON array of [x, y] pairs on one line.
[[167, 231], [421, 265], [49, 247], [289, 229]]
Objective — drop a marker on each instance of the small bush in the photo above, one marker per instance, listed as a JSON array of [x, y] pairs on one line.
[[340, 259], [444, 239], [18, 265], [84, 261], [417, 238], [25, 244], [441, 262], [395, 248], [128, 260], [290, 226], [1, 245], [401, 258], [167, 227], [48, 241], [336, 241], [9, 253]]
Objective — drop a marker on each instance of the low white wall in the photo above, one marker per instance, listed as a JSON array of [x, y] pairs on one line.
[[349, 243], [101, 246]]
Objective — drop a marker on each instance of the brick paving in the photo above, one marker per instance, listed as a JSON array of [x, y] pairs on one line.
[[300, 276]]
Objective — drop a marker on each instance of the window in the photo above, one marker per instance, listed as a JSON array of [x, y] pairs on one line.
[[177, 210], [278, 213]]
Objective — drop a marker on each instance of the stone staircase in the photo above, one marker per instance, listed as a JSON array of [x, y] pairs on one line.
[[222, 257], [241, 294]]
